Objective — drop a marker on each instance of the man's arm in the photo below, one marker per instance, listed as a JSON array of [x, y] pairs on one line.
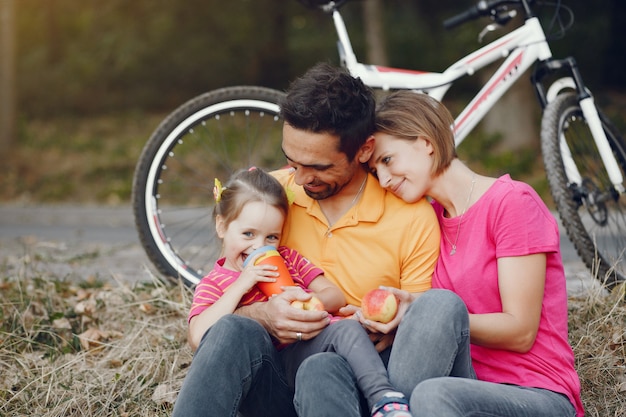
[[282, 321]]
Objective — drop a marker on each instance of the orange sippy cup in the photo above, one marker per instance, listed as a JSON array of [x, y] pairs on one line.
[[272, 257]]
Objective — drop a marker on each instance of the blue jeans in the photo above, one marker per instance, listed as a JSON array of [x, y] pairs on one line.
[[348, 339], [430, 363], [251, 376], [236, 367]]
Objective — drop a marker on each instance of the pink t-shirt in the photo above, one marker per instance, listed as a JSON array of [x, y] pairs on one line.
[[215, 283], [510, 219]]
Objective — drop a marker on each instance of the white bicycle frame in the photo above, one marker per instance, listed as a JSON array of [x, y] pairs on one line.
[[521, 48]]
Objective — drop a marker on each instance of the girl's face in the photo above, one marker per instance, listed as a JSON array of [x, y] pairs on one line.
[[258, 224], [402, 166]]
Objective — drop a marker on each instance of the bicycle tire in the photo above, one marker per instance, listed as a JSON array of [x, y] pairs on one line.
[[592, 212], [210, 136]]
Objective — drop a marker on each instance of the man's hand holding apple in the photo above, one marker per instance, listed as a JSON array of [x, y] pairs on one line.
[[283, 321]]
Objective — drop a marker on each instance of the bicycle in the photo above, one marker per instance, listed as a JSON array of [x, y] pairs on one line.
[[219, 131]]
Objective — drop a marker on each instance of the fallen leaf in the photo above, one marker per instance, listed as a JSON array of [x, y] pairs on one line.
[[91, 338], [146, 308], [164, 393], [87, 307], [62, 323]]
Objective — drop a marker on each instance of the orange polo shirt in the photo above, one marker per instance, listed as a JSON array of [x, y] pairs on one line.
[[380, 241]]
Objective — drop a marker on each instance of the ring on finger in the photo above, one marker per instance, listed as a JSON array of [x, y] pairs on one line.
[[299, 336]]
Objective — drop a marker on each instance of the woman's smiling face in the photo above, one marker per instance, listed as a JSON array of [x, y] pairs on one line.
[[402, 166]]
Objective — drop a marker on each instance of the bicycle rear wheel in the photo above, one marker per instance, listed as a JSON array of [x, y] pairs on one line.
[[592, 211], [208, 137]]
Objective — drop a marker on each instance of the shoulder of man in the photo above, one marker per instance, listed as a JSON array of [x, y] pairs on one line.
[[283, 175]]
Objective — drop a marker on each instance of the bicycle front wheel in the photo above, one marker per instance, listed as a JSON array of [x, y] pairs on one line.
[[593, 212], [210, 136]]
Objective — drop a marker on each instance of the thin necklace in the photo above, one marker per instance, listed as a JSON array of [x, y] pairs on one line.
[[352, 203], [458, 227], [358, 194]]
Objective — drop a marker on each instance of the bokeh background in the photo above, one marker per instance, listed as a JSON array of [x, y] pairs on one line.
[[84, 83]]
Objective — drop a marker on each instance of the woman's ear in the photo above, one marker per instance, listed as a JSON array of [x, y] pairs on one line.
[[428, 145], [220, 226], [366, 150]]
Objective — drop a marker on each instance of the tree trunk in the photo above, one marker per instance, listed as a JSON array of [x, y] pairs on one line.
[[616, 56], [515, 116], [7, 74], [374, 33]]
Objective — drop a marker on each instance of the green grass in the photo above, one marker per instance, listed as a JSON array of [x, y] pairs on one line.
[[92, 160], [76, 160]]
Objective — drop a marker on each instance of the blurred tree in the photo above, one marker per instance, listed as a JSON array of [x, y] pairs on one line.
[[616, 47], [7, 74], [87, 57], [374, 33]]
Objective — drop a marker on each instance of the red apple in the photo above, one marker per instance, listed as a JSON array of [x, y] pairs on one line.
[[379, 305], [313, 304]]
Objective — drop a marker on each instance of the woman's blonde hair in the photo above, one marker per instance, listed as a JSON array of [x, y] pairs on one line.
[[408, 115]]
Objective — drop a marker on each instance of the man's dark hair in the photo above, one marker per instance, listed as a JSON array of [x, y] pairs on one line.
[[327, 99]]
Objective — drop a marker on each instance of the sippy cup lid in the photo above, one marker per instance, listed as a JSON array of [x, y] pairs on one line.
[[262, 249]]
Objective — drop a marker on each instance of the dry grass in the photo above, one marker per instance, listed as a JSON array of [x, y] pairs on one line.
[[597, 325], [109, 349], [89, 349]]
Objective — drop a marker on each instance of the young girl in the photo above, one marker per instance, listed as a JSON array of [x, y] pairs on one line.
[[499, 281], [249, 213]]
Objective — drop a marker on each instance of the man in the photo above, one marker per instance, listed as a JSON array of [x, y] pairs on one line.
[[343, 222]]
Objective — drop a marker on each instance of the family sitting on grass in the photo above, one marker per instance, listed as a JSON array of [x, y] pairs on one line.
[[481, 326]]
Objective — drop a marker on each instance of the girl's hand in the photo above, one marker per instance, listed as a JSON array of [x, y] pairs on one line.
[[252, 274]]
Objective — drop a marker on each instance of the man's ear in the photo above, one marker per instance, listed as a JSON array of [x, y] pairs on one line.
[[366, 150], [220, 226]]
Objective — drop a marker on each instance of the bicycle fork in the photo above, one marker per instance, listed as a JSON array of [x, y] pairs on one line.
[[588, 107]]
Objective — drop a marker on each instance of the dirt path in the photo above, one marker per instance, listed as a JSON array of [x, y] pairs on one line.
[[74, 242]]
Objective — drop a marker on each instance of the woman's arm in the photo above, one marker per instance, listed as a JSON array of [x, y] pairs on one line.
[[521, 282]]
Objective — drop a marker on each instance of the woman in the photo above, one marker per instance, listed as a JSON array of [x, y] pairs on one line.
[[499, 284]]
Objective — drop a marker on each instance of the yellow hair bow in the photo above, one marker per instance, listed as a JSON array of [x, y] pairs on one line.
[[218, 189]]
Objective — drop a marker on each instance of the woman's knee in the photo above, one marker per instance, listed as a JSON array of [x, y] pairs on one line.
[[435, 396], [437, 304]]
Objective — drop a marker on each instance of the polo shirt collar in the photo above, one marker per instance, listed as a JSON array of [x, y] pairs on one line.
[[369, 209]]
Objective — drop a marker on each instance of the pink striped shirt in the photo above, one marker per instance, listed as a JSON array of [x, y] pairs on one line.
[[215, 283]]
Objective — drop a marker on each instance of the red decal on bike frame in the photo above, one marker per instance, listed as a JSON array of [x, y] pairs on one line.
[[495, 47], [510, 69], [389, 69]]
